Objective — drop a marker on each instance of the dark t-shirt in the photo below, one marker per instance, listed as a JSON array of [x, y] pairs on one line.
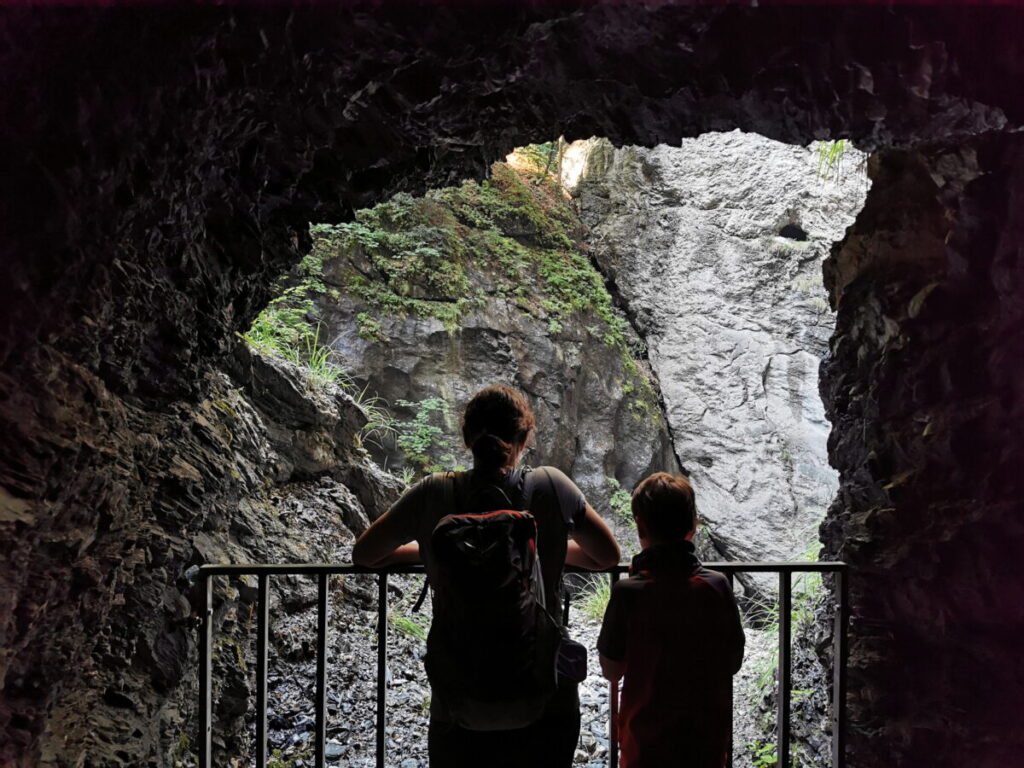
[[676, 626]]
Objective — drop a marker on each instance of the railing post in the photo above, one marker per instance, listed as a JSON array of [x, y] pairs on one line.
[[785, 681], [382, 663], [732, 747], [840, 648], [262, 632], [613, 709], [205, 664], [320, 734]]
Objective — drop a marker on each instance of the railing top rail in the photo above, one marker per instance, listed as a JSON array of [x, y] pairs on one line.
[[256, 569]]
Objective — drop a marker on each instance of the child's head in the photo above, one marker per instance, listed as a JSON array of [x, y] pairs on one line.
[[664, 509]]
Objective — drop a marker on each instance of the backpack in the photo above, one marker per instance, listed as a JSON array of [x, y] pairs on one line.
[[492, 647]]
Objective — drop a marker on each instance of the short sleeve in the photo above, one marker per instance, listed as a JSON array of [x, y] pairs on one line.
[[611, 643], [571, 500], [409, 513]]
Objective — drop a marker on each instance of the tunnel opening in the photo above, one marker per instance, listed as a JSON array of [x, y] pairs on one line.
[[177, 168], [616, 288]]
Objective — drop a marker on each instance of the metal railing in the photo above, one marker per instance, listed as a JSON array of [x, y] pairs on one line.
[[323, 572]]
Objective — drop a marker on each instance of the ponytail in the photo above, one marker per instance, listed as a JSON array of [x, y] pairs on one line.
[[496, 425], [491, 453]]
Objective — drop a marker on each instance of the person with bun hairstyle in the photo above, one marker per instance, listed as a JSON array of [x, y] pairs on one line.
[[497, 426]]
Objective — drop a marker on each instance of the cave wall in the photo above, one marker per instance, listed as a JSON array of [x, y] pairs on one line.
[[162, 166], [925, 389], [99, 636]]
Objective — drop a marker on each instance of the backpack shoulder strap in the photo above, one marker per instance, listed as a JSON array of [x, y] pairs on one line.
[[445, 482]]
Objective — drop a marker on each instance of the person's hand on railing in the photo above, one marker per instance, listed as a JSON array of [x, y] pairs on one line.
[[406, 554], [387, 540]]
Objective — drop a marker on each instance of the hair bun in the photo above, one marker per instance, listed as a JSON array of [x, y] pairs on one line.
[[489, 450]]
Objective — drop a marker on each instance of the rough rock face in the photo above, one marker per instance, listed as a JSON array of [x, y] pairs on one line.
[[925, 387], [585, 425], [506, 297], [162, 167], [215, 480], [715, 249]]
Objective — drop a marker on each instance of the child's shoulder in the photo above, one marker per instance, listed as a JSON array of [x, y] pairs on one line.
[[717, 581]]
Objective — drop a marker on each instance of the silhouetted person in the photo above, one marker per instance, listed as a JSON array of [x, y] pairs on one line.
[[672, 632], [466, 729]]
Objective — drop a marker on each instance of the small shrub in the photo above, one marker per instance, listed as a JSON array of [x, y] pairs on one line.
[[595, 600], [762, 755], [410, 625], [368, 328], [424, 440], [621, 501]]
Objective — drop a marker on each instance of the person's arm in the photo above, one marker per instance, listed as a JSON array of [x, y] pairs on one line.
[[611, 669], [592, 544], [389, 540]]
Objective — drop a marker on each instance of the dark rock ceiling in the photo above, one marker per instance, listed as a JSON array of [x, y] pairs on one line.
[[164, 163]]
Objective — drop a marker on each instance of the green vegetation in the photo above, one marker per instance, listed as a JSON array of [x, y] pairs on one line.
[[277, 759], [807, 594], [410, 625], [830, 159], [621, 501], [425, 441], [413, 256], [762, 755], [595, 600]]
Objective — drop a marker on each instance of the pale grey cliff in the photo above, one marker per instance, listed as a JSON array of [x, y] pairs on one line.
[[715, 251]]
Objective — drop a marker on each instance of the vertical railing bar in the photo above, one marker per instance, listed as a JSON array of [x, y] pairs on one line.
[[382, 664], [565, 607], [839, 654], [785, 671], [205, 666], [732, 586], [613, 709], [320, 734], [262, 631]]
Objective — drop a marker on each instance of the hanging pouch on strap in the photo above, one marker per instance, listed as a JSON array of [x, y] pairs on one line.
[[572, 660]]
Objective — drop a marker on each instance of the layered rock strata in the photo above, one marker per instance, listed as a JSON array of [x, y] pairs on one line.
[[244, 474]]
